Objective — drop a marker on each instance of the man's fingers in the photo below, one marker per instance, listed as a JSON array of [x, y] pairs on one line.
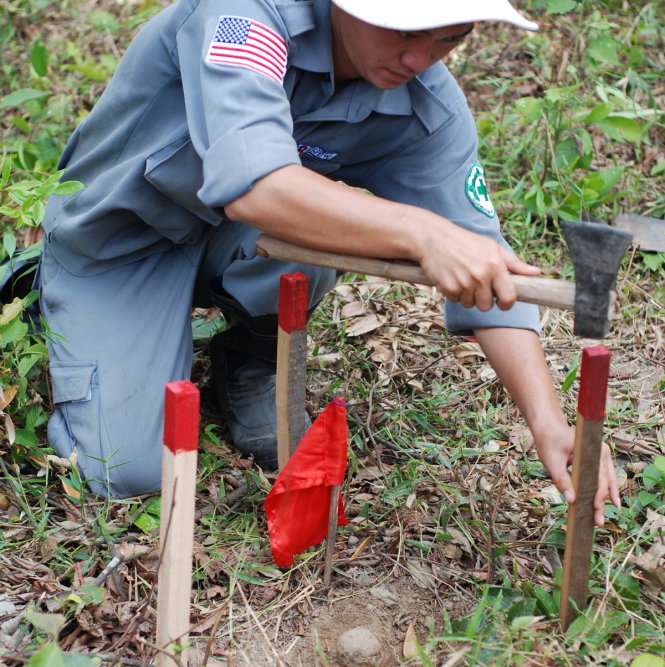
[[607, 464], [564, 483], [505, 291], [516, 265]]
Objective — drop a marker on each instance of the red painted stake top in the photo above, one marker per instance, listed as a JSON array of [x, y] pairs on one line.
[[292, 301], [593, 382], [181, 416]]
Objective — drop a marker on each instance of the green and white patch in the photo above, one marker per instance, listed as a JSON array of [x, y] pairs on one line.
[[476, 190]]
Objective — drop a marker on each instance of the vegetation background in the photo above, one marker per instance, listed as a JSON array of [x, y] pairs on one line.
[[452, 555]]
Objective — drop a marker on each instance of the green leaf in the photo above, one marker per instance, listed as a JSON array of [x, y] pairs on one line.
[[10, 311], [146, 522], [659, 462], [26, 363], [14, 331], [600, 183], [604, 50], [19, 97], [654, 261], [599, 112], [39, 57], [572, 374], [104, 21], [566, 154], [560, 6], [620, 128], [48, 655], [648, 660], [529, 109], [658, 168], [68, 187], [9, 243], [38, 211], [546, 602], [49, 623], [628, 589]]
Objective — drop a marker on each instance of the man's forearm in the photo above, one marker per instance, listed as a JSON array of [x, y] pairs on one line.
[[518, 359]]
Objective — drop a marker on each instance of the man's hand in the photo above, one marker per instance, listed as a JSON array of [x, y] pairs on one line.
[[471, 269], [518, 359], [555, 451]]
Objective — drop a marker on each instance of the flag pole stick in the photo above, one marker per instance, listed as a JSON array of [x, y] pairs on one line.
[[332, 517], [332, 531], [181, 437], [290, 379]]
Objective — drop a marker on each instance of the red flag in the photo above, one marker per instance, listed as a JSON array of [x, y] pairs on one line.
[[298, 504]]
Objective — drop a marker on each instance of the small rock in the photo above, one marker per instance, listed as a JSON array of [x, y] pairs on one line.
[[353, 540], [386, 596], [360, 647]]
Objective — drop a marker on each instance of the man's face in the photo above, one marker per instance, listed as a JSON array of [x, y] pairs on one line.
[[388, 58]]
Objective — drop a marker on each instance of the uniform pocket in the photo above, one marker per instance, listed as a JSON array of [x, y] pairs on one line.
[[176, 171], [72, 381]]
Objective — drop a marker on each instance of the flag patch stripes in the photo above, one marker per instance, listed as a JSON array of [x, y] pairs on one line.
[[243, 42]]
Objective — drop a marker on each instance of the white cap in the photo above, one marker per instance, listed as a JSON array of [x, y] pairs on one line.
[[427, 14]]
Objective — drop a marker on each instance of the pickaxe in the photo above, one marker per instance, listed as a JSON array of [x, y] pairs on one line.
[[595, 249]]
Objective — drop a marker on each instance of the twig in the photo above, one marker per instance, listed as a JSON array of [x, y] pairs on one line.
[[113, 565], [161, 651], [250, 611], [213, 631]]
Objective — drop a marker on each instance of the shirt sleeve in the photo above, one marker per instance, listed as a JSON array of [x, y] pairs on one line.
[[232, 58], [441, 173]]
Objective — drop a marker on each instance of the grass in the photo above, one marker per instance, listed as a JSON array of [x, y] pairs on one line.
[[444, 498]]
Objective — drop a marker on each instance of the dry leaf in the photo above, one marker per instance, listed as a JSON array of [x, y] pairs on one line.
[[422, 573], [70, 490], [361, 547], [353, 309], [551, 494], [487, 374], [7, 395], [468, 349], [410, 645], [363, 325]]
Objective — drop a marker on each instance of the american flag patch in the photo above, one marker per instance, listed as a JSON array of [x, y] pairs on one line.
[[244, 42]]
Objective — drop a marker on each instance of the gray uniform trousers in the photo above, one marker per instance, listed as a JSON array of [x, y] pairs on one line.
[[121, 335]]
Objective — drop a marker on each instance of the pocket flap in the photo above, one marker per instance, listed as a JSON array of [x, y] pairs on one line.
[[71, 381]]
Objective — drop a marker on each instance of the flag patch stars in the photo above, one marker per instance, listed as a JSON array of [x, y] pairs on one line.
[[243, 42]]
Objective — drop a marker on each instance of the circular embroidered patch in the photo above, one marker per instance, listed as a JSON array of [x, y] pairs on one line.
[[476, 190]]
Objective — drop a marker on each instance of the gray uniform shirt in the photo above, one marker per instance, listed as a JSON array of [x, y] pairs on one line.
[[181, 131]]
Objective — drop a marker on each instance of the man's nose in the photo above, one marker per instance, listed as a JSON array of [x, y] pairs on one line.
[[417, 59]]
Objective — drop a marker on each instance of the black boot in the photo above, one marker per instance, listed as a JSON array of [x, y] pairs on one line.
[[17, 279], [244, 362]]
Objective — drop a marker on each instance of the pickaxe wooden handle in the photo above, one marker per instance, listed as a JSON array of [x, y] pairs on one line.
[[543, 291]]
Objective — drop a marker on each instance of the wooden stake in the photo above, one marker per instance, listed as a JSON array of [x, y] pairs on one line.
[[332, 517], [291, 364], [332, 531], [586, 463], [181, 437]]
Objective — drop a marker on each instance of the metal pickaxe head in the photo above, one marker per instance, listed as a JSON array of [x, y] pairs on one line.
[[596, 251]]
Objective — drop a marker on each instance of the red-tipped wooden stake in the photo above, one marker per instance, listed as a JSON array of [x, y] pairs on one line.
[[291, 363], [181, 439], [586, 462]]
